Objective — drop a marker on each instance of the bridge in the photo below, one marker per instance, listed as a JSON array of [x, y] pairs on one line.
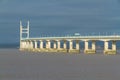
[[65, 43]]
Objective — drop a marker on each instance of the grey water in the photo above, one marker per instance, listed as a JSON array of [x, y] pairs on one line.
[[17, 65]]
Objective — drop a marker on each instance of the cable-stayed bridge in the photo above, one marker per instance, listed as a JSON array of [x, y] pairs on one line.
[[53, 43]]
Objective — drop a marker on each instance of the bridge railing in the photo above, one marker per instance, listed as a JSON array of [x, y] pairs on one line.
[[74, 37]]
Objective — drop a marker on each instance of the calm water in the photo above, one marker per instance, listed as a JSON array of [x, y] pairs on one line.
[[15, 65]]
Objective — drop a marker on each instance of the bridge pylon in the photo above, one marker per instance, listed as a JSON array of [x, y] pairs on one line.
[[24, 31]]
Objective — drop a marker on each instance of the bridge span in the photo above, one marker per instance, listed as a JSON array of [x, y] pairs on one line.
[[65, 43]]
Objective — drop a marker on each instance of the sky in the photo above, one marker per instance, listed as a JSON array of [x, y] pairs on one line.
[[58, 17]]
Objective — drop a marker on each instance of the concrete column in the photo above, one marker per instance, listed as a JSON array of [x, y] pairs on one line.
[[114, 45], [70, 44], [35, 44], [106, 50], [105, 45], [86, 45], [93, 45], [54, 45], [77, 45], [71, 50], [90, 51], [28, 44], [25, 43], [21, 45], [58, 44], [41, 44], [110, 51], [48, 44], [64, 45], [31, 44]]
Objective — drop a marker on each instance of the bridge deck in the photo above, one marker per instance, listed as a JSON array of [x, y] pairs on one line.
[[75, 37]]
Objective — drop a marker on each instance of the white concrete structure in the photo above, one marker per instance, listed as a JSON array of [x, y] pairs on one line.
[[27, 43], [110, 51], [55, 44], [64, 45], [93, 48]]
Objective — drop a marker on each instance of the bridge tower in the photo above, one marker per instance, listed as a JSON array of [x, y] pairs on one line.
[[24, 31]]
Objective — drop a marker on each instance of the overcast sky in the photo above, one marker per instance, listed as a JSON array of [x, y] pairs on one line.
[[58, 17]]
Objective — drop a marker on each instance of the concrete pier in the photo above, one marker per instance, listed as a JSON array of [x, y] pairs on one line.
[[48, 44], [65, 45], [54, 44], [25, 44], [58, 44], [28, 44], [71, 50], [110, 51], [64, 49], [40, 48], [35, 44], [41, 44], [90, 51], [77, 45], [59, 49], [31, 44]]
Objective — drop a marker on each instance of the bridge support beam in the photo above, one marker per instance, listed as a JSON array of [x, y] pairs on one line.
[[41, 44], [28, 45], [71, 50], [110, 51], [77, 46], [92, 50], [54, 45], [58, 44], [64, 44], [54, 49], [25, 44], [70, 44], [22, 45], [64, 49], [35, 47], [114, 45], [59, 49], [31, 44], [48, 44], [35, 44]]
